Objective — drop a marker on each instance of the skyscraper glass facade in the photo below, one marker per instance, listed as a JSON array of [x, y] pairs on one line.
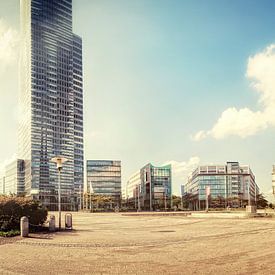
[[51, 101], [150, 188], [104, 178], [14, 178], [225, 181]]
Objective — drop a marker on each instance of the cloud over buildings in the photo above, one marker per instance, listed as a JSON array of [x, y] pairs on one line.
[[245, 122], [181, 170]]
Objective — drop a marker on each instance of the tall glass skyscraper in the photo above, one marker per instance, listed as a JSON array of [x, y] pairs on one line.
[[51, 101]]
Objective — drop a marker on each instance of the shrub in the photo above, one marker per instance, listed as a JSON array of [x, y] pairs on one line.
[[11, 233], [13, 208]]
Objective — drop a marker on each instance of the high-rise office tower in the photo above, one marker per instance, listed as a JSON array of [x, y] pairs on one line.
[[51, 101]]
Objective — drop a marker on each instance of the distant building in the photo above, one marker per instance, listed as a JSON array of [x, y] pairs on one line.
[[2, 185], [150, 188], [226, 182], [133, 189], [13, 181], [273, 179], [182, 190], [104, 178], [123, 192]]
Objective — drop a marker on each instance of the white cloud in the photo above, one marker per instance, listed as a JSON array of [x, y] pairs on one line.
[[181, 171], [245, 122], [199, 135], [8, 44]]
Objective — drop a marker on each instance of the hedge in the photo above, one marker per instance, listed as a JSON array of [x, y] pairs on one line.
[[13, 208]]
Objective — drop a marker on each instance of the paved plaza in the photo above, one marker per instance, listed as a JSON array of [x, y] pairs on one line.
[[115, 243]]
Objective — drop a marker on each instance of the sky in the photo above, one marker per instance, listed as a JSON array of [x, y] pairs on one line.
[[165, 81]]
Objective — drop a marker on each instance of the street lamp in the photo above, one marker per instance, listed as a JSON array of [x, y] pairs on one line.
[[59, 161], [90, 195], [273, 180]]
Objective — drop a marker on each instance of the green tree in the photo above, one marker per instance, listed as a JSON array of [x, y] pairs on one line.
[[13, 208], [176, 201], [261, 201], [186, 199]]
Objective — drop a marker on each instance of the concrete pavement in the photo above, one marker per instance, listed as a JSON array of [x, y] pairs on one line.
[[112, 243]]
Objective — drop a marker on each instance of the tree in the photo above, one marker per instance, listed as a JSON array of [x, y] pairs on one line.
[[218, 202], [176, 201], [186, 199], [13, 208], [261, 201]]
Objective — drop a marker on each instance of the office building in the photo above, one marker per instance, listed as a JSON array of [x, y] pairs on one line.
[[273, 179], [14, 178], [150, 188], [232, 184], [104, 178], [123, 193], [133, 188], [2, 185], [51, 102]]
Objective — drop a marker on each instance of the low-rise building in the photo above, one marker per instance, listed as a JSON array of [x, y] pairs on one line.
[[232, 184], [133, 189], [104, 178], [273, 179], [150, 188], [14, 179], [2, 185]]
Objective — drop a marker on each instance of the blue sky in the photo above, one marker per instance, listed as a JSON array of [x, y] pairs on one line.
[[158, 76]]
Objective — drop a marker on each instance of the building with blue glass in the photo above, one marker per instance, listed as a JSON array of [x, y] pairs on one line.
[[104, 178], [232, 184], [14, 178], [51, 102], [150, 188]]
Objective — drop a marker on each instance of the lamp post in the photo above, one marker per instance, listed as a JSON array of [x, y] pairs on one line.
[[90, 195], [59, 161], [138, 198], [273, 180]]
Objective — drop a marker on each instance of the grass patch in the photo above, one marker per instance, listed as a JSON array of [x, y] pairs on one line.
[[10, 233]]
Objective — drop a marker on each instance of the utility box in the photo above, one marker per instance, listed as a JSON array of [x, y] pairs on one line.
[[52, 223], [24, 226], [68, 221]]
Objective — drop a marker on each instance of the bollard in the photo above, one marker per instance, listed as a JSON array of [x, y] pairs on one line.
[[24, 226], [52, 223], [68, 221]]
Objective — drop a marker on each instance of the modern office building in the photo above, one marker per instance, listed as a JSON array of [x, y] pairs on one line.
[[133, 189], [273, 179], [123, 192], [104, 178], [150, 188], [226, 182], [2, 185], [51, 102], [14, 179]]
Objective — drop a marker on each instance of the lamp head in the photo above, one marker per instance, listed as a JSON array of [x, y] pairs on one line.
[[59, 161]]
